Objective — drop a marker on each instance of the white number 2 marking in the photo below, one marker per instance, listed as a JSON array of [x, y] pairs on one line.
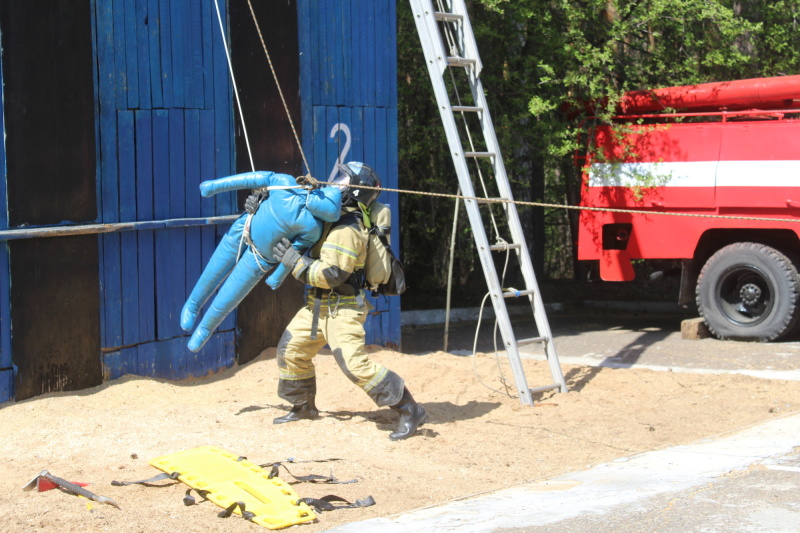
[[345, 129]]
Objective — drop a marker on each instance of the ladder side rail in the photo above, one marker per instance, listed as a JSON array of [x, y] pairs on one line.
[[476, 222], [436, 59], [470, 46], [518, 236], [482, 243], [432, 46]]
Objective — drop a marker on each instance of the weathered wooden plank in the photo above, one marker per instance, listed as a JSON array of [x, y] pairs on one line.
[[356, 123], [339, 49], [179, 34], [119, 362], [154, 51], [223, 121], [307, 51], [370, 42], [208, 240], [354, 55], [129, 263], [323, 80], [126, 153], [209, 28], [131, 53], [141, 23], [111, 279], [381, 68], [165, 41], [6, 385], [129, 245], [120, 55], [390, 46], [194, 256], [194, 55]]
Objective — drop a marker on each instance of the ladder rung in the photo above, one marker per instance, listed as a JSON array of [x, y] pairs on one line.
[[470, 108], [447, 17], [530, 340], [455, 61], [504, 247], [479, 154], [545, 388], [517, 294]]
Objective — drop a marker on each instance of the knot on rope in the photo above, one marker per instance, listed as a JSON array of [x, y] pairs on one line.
[[309, 182]]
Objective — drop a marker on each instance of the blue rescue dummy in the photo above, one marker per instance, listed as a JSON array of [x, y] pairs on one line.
[[245, 253]]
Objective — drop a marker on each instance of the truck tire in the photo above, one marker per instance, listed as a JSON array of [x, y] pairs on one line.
[[749, 291]]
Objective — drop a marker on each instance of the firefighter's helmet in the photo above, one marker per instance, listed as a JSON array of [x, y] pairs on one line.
[[350, 176]]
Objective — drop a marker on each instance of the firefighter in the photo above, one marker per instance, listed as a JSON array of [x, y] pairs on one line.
[[335, 312]]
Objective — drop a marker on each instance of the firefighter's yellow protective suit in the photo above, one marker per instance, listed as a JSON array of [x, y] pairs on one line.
[[332, 269]]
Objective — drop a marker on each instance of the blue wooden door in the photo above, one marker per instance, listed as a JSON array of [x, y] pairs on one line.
[[348, 88], [164, 125]]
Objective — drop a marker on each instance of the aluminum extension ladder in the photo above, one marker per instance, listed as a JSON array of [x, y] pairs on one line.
[[450, 50]]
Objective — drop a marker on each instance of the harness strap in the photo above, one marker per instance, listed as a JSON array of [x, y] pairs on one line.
[[188, 499], [247, 515], [315, 315], [311, 478], [159, 477], [324, 503]]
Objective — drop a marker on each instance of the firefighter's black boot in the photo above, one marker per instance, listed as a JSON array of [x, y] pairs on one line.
[[305, 411], [412, 416]]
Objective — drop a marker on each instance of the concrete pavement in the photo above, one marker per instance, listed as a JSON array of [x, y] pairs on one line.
[[744, 482]]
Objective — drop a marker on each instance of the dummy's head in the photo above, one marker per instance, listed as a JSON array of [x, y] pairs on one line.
[[350, 176]]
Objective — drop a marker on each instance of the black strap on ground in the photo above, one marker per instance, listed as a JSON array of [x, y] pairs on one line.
[[159, 477], [324, 503], [188, 499], [311, 478], [247, 515]]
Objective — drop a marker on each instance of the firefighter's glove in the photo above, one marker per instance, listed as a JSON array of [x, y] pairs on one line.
[[284, 253], [254, 200]]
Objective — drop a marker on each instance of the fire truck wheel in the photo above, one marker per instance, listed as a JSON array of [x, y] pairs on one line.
[[749, 291]]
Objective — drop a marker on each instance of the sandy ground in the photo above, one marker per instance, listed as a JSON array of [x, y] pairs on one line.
[[477, 439]]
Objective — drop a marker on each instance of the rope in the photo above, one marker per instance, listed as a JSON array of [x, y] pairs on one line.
[[280, 92], [577, 207], [233, 81]]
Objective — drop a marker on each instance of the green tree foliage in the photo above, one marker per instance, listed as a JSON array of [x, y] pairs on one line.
[[542, 57]]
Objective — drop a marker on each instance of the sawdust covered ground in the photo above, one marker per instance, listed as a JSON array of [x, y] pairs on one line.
[[477, 440]]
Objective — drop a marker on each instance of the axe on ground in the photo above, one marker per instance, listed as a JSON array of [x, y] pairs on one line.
[[66, 485]]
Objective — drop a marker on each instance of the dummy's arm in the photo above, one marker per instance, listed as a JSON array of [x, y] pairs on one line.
[[247, 180]]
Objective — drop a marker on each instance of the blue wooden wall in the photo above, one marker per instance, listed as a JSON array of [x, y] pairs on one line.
[[165, 122], [164, 125], [348, 89]]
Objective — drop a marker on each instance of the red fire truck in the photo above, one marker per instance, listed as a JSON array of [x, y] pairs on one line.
[[710, 175]]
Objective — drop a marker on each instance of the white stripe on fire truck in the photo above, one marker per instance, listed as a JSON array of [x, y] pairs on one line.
[[697, 174]]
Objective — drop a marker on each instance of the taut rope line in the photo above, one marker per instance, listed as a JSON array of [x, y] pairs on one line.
[[577, 207]]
